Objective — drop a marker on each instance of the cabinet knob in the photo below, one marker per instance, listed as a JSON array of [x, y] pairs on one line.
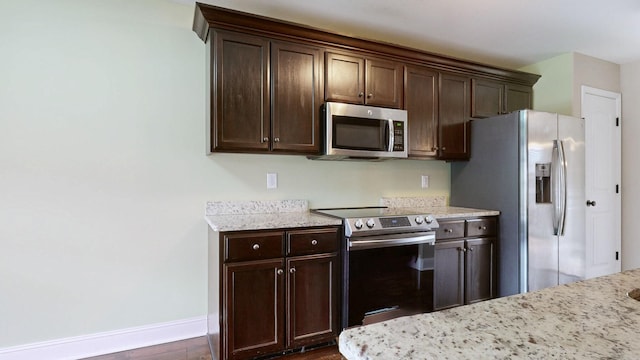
[[482, 228], [255, 247], [591, 203], [435, 148], [279, 272], [361, 94], [461, 249], [470, 249], [292, 270], [444, 148], [369, 96], [276, 140], [265, 139], [448, 230], [314, 242]]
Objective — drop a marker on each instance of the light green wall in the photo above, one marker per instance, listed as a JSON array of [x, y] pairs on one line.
[[554, 91], [103, 177], [559, 88]]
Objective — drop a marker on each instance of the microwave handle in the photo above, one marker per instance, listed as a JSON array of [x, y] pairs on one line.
[[390, 135]]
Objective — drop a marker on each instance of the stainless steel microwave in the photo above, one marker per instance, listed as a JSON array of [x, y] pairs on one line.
[[359, 132]]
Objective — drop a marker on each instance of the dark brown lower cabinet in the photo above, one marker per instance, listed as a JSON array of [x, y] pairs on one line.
[[312, 299], [448, 275], [464, 262], [254, 304], [479, 264], [279, 291]]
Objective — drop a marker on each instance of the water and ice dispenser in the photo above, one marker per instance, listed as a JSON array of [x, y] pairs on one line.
[[543, 183]]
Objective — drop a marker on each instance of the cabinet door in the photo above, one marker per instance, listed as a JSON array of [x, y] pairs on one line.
[[518, 97], [240, 92], [480, 270], [383, 81], [296, 98], [421, 103], [312, 298], [344, 78], [487, 98], [454, 109], [253, 309], [448, 274]]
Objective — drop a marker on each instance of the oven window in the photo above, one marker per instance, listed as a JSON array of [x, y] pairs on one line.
[[389, 282], [359, 133]]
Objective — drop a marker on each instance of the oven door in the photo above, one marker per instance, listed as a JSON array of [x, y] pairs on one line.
[[387, 276]]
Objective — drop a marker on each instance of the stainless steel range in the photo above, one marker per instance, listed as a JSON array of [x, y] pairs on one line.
[[387, 263]]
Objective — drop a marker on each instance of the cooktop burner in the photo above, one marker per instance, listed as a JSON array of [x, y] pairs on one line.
[[362, 221]]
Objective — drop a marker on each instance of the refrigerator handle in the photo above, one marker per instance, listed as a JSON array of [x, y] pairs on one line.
[[563, 188], [555, 186]]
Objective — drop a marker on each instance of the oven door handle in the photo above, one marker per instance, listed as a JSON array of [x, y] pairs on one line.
[[371, 242]]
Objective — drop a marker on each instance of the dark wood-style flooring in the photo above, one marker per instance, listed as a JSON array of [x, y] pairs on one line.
[[198, 349]]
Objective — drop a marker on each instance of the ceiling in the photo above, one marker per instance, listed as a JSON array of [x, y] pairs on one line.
[[508, 33]]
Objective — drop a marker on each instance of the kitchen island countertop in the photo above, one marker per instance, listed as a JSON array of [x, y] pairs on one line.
[[591, 319]]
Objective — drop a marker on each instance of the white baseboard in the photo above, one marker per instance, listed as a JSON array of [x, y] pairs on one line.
[[79, 347]]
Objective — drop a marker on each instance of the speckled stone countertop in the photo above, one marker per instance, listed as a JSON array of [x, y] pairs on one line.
[[434, 205], [592, 319], [261, 215], [280, 214]]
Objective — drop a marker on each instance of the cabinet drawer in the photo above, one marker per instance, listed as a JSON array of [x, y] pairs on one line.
[[450, 229], [481, 227], [264, 245], [305, 242]]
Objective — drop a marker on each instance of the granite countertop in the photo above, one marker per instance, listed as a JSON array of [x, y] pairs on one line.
[[281, 214], [261, 215], [436, 206], [591, 319]]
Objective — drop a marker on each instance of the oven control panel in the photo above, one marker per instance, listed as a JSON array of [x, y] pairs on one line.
[[389, 224]]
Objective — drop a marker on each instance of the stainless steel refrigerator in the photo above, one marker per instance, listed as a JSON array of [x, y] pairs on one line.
[[529, 165]]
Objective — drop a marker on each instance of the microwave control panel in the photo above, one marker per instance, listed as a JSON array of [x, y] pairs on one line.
[[398, 136]]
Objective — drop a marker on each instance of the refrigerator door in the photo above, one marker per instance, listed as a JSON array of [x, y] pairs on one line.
[[571, 242], [542, 175]]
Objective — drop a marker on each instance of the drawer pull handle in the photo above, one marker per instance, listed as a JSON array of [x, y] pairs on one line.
[[314, 242], [255, 247], [292, 270], [279, 272]]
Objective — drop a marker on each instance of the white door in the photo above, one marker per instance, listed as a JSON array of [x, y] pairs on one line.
[[602, 113]]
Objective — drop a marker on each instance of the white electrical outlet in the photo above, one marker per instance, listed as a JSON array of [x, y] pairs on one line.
[[425, 181], [272, 181]]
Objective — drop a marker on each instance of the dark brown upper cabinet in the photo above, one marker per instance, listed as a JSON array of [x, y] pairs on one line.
[[241, 118], [454, 115], [421, 103], [518, 97], [267, 95], [491, 98], [358, 80], [269, 78], [296, 97]]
